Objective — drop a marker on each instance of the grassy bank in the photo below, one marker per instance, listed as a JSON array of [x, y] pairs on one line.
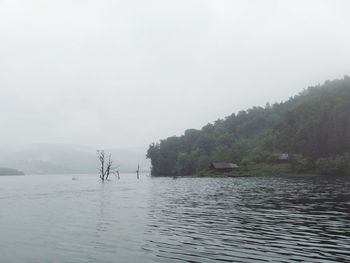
[[261, 169]]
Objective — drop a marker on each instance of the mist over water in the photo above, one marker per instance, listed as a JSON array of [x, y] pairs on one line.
[[265, 219]]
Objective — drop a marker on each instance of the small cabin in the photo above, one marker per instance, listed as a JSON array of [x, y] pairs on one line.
[[281, 157], [223, 167]]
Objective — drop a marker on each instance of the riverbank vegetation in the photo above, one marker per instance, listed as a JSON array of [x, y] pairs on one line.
[[313, 127]]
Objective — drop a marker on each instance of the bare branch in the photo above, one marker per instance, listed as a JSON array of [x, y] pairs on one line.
[[105, 165]]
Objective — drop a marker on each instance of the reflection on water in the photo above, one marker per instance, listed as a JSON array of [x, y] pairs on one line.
[[277, 219]]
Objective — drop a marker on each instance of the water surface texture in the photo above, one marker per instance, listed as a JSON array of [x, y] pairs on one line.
[[269, 219]]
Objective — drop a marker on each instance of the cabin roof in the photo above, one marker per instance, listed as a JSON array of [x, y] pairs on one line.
[[281, 156], [224, 165]]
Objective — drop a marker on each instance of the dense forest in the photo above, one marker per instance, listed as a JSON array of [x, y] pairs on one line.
[[313, 127]]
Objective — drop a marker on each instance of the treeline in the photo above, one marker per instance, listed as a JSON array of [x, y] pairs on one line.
[[313, 127]]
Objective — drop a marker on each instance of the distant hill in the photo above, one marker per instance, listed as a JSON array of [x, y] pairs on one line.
[[313, 127], [9, 171], [63, 159]]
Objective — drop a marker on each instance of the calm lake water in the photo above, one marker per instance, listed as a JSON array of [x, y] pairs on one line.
[[270, 219]]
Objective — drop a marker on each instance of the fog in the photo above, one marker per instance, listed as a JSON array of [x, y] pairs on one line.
[[119, 74]]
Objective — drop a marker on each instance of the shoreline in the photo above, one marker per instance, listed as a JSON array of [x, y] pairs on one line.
[[255, 175]]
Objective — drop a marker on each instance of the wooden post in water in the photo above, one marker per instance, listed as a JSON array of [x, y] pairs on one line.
[[138, 171], [116, 173]]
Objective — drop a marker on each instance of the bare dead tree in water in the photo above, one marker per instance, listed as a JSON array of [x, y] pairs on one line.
[[101, 157], [105, 164], [109, 166]]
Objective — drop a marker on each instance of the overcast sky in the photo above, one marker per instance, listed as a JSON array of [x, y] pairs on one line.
[[127, 73]]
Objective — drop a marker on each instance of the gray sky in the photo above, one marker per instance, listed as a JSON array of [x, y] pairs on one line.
[[127, 73]]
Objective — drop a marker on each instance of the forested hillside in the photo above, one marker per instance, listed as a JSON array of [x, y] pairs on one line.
[[313, 127]]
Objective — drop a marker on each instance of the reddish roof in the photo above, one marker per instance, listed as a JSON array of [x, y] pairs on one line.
[[224, 165]]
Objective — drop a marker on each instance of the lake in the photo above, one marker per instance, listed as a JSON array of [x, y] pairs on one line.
[[53, 218]]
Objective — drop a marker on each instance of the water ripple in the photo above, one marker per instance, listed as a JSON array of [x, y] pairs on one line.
[[250, 220]]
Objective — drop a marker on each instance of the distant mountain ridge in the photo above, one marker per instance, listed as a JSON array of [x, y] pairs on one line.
[[65, 159]]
